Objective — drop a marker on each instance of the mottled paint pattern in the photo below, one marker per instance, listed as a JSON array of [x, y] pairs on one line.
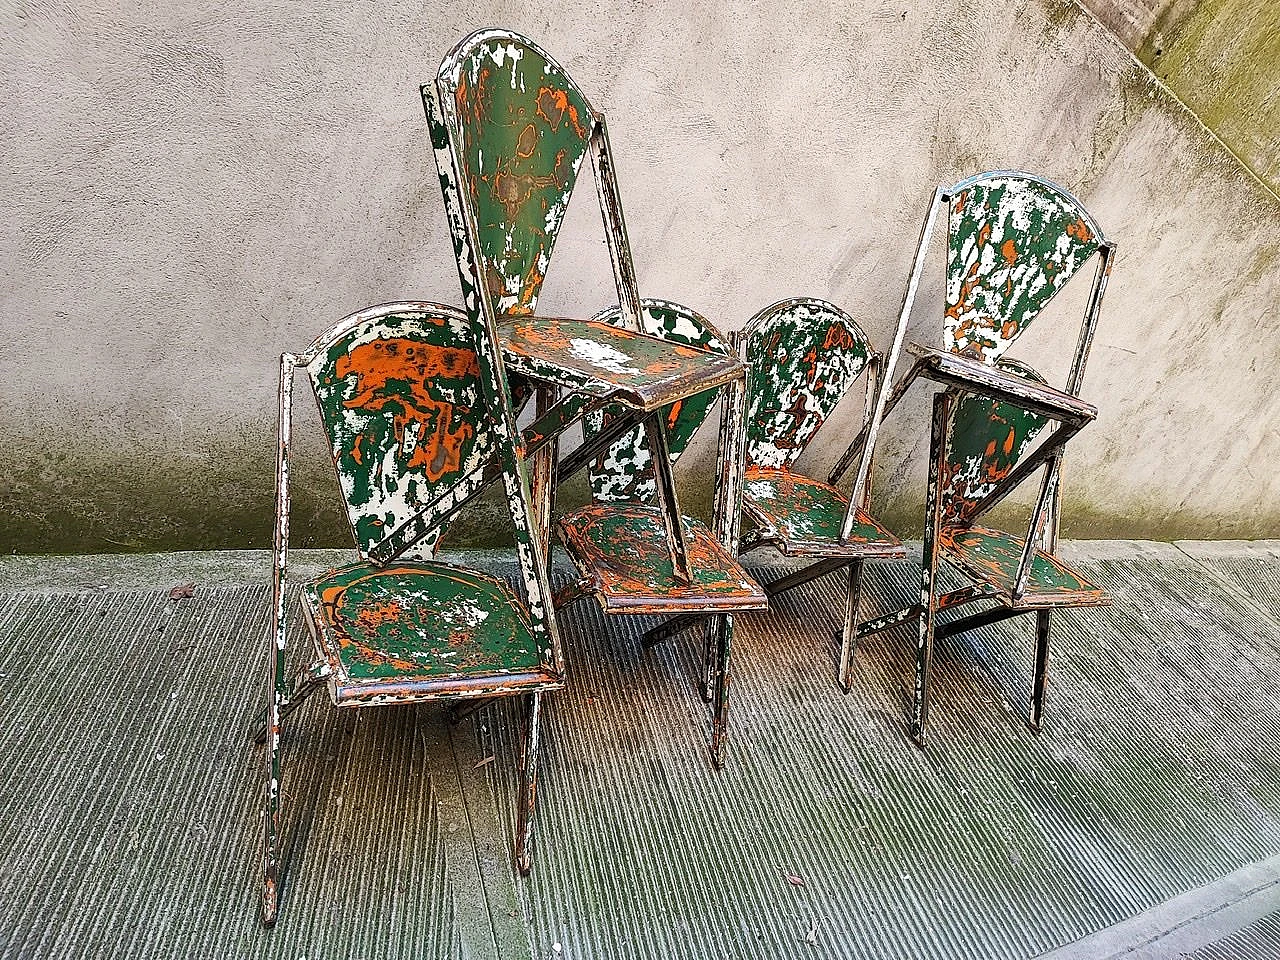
[[1013, 243], [625, 471], [622, 549], [419, 622], [603, 360], [992, 556], [805, 516], [524, 128], [985, 440], [400, 399], [802, 359]]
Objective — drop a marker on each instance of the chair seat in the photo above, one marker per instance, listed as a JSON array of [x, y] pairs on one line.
[[421, 632], [991, 557], [805, 517], [602, 360], [620, 549]]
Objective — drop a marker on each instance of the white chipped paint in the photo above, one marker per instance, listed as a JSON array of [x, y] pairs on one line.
[[602, 355]]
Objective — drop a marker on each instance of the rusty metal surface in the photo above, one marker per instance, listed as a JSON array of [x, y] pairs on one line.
[[1014, 240], [620, 551], [605, 361], [1155, 775], [992, 557], [806, 517]]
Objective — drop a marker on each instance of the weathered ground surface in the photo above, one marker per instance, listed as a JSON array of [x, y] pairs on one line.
[[1144, 820]]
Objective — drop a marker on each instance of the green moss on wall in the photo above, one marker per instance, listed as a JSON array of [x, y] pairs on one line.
[[1222, 59]]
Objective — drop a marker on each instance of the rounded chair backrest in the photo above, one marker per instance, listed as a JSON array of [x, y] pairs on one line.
[[985, 440], [400, 398], [521, 128], [1014, 240], [802, 355], [625, 471]]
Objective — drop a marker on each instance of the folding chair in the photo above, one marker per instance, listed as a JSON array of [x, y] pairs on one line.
[[615, 541], [1014, 240], [406, 396], [803, 357], [510, 130]]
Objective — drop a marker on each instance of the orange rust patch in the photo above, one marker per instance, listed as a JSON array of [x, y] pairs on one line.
[[554, 105], [1009, 251], [1080, 230], [394, 375]]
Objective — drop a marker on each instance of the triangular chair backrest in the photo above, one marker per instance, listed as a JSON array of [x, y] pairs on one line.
[[412, 400], [521, 128], [401, 401], [1014, 240], [803, 356], [985, 440], [625, 472]]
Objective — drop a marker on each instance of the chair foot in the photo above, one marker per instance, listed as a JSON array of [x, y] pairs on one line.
[[270, 902], [528, 788], [1040, 682]]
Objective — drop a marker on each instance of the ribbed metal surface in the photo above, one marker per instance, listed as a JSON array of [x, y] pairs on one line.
[[1155, 774], [131, 795], [1258, 941]]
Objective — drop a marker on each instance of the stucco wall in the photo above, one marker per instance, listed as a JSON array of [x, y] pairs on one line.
[[1221, 58], [191, 189]]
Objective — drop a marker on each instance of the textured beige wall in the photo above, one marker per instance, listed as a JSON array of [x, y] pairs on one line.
[[1221, 58], [191, 189]]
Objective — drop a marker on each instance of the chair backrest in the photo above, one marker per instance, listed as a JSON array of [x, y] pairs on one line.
[[625, 471], [985, 440], [520, 128], [1014, 240], [802, 356], [400, 397]]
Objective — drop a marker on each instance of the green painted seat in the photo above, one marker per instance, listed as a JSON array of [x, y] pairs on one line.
[[620, 550], [421, 632], [1014, 241], [991, 557], [804, 517], [416, 427]]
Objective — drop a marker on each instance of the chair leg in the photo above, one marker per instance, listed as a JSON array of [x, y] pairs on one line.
[[721, 637], [1042, 669], [849, 638], [707, 683], [528, 786], [271, 813], [942, 404]]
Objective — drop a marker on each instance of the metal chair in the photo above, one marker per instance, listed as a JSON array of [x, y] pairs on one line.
[[510, 130], [1014, 241], [615, 541], [803, 357], [406, 398]]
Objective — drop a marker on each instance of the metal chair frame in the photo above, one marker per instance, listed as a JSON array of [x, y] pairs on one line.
[[959, 375], [286, 694]]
